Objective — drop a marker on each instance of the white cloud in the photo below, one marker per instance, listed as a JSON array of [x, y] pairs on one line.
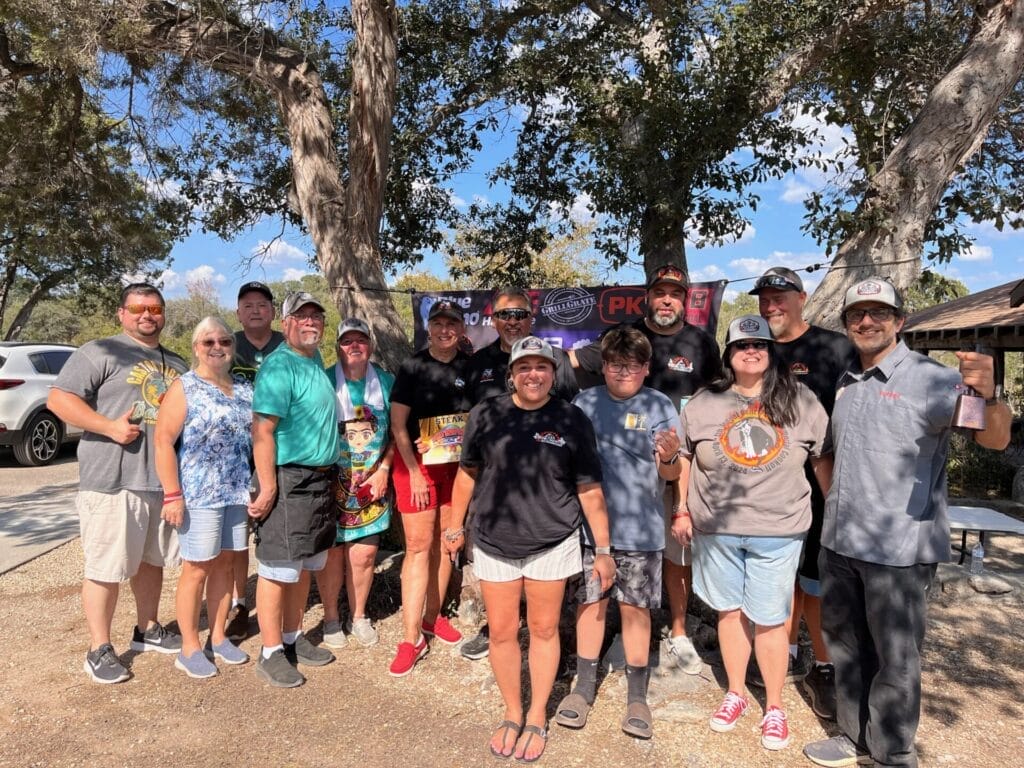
[[977, 253], [748, 268], [794, 191], [294, 274], [581, 210], [692, 235], [707, 274], [279, 252], [205, 273]]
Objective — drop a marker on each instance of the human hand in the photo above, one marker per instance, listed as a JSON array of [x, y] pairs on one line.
[[978, 371], [604, 570], [682, 530], [173, 512], [666, 445], [260, 507], [422, 445], [121, 430], [419, 489]]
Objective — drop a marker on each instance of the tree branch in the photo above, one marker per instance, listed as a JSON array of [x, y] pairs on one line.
[[17, 69]]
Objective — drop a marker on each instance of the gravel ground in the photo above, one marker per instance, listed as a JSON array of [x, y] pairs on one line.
[[352, 713]]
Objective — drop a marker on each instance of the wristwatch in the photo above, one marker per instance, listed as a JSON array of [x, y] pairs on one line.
[[602, 550]]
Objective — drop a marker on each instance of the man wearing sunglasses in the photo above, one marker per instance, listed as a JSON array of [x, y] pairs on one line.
[[817, 357], [112, 388], [886, 527]]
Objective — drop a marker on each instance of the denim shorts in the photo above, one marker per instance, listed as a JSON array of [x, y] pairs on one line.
[[755, 574], [288, 571], [206, 532], [811, 587]]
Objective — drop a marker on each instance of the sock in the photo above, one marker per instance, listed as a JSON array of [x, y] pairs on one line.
[[636, 680], [586, 679], [290, 637], [267, 652], [794, 650]]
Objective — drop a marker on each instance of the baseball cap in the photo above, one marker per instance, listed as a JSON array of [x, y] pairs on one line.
[[295, 301], [353, 324], [748, 327], [873, 289], [258, 287], [531, 346], [669, 273], [445, 309], [780, 278]]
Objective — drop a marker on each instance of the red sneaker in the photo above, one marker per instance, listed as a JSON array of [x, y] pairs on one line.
[[407, 656], [443, 630], [774, 729], [732, 709]]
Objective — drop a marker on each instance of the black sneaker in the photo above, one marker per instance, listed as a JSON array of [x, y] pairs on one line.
[[477, 647], [156, 638], [304, 652], [103, 666], [238, 623], [278, 671], [820, 687]]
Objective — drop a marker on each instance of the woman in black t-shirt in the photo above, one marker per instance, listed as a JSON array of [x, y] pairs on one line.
[[531, 472]]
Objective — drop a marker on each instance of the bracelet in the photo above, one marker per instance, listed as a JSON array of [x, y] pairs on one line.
[[602, 551], [675, 458], [170, 498], [453, 534], [680, 514]]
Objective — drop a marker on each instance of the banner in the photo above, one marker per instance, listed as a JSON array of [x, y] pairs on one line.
[[568, 317]]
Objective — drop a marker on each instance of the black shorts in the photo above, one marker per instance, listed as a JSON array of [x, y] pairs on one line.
[[303, 520]]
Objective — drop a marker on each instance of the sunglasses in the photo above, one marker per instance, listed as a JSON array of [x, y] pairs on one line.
[[774, 281], [878, 314], [512, 314], [745, 346], [208, 343], [137, 309]]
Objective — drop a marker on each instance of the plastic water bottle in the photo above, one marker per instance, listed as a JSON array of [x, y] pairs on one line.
[[978, 559]]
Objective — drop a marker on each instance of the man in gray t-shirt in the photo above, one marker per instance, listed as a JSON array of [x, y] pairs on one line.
[[112, 388]]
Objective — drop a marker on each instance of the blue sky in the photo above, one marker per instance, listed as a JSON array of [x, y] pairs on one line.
[[773, 238]]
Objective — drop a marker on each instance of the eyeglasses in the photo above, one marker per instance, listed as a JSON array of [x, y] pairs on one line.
[[226, 342], [878, 314], [745, 346], [631, 368], [353, 342], [511, 314], [316, 317], [137, 309]]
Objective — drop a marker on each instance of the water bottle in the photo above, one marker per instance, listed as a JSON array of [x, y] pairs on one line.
[[977, 559]]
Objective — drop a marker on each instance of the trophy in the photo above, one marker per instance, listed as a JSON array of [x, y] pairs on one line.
[[970, 407]]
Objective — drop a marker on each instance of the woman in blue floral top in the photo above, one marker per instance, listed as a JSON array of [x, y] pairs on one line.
[[206, 488]]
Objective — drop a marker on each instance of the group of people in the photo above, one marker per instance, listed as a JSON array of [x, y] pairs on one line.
[[798, 473]]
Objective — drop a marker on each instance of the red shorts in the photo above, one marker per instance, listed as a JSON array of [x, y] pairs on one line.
[[440, 479]]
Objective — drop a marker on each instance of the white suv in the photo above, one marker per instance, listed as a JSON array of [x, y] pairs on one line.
[[26, 372]]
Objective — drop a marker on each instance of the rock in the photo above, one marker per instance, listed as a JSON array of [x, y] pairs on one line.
[[678, 712], [990, 584]]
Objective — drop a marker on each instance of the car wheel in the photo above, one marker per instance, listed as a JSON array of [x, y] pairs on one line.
[[41, 441]]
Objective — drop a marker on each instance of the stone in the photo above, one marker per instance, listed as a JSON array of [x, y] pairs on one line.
[[990, 584]]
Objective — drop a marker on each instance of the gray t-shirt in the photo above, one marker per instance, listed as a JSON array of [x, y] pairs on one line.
[[747, 476], [114, 375], [890, 428], [633, 489]]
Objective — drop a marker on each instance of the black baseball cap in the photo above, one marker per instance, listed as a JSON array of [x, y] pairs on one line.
[[258, 287]]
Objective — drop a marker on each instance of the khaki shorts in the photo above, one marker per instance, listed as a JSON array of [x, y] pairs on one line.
[[122, 530], [674, 551]]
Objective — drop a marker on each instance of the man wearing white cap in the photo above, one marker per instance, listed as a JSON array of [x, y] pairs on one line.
[[886, 526]]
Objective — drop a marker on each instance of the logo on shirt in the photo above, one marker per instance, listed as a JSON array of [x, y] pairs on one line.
[[750, 441], [637, 421], [153, 381], [487, 375], [680, 364], [550, 438], [799, 369], [459, 383]]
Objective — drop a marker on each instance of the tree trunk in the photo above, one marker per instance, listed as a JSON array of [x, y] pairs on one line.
[[662, 240], [950, 127], [40, 291], [343, 223], [7, 285]]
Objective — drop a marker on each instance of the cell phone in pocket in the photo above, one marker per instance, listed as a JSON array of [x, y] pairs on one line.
[[364, 494]]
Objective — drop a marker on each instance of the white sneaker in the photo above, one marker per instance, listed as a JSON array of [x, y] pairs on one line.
[[334, 635], [681, 649], [362, 630]]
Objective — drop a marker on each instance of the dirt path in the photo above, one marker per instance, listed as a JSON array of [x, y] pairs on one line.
[[352, 713]]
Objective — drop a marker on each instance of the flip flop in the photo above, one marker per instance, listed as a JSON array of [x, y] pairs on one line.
[[637, 721], [531, 731], [572, 711], [505, 726]]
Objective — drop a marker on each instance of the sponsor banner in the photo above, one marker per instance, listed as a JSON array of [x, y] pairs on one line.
[[567, 317]]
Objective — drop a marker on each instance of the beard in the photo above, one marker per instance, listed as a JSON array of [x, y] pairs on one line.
[[663, 321]]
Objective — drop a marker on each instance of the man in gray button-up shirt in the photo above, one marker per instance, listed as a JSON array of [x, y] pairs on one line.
[[885, 523]]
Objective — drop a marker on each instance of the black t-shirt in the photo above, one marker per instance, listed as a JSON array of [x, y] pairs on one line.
[[529, 464], [248, 358], [488, 369], [818, 358], [680, 364], [431, 388]]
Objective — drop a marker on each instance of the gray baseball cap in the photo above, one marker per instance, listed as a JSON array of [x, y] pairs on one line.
[[531, 346], [873, 289], [353, 324], [780, 278], [748, 327], [293, 302]]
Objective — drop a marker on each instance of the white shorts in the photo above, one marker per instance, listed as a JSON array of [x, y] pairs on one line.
[[121, 530], [559, 562]]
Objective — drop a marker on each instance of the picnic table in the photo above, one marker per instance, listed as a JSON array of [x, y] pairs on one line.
[[983, 520]]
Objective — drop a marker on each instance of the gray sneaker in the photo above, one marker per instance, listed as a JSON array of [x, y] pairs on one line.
[[681, 651], [226, 651], [304, 652], [364, 633], [478, 646], [278, 671], [103, 666], [334, 634], [820, 687], [196, 665], [836, 752], [156, 638]]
